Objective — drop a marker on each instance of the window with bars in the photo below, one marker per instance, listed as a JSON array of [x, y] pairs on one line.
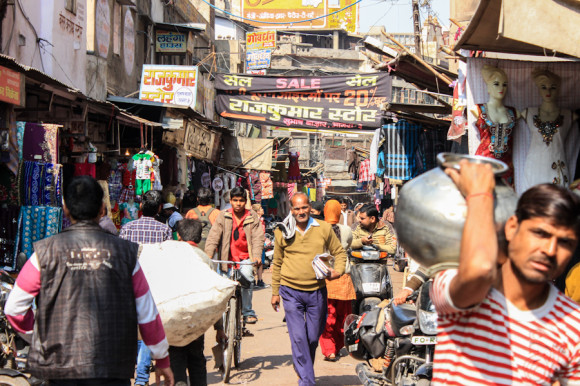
[[71, 6]]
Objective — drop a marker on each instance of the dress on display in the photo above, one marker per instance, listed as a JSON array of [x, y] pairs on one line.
[[496, 139], [546, 160], [294, 167]]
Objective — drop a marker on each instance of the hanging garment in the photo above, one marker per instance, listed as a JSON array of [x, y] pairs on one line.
[[143, 165], [129, 211], [20, 127], [255, 186], [36, 223], [85, 169], [129, 178], [40, 142], [496, 139], [8, 234], [8, 187], [374, 151], [401, 140], [546, 161], [267, 185], [39, 184], [364, 173], [115, 181], [294, 167], [353, 163], [106, 196], [431, 143]]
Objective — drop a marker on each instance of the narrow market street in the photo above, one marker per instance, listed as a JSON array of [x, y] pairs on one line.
[[267, 358]]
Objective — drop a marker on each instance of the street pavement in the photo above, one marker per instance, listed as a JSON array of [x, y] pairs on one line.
[[266, 357]]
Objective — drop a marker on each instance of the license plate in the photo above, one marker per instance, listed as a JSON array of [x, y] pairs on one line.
[[353, 347], [424, 340], [371, 287]]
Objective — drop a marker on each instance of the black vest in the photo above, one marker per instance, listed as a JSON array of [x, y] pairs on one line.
[[86, 319]]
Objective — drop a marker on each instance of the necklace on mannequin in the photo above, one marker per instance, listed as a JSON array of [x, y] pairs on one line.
[[547, 129]]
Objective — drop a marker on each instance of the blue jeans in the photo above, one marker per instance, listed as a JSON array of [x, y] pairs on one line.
[[247, 271], [143, 364]]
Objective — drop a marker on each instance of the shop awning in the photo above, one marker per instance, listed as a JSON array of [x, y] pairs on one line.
[[248, 153], [408, 68], [531, 27], [181, 27], [154, 111]]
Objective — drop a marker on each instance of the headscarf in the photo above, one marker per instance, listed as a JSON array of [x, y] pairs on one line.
[[332, 211]]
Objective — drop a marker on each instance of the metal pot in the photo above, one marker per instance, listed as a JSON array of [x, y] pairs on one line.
[[431, 212]]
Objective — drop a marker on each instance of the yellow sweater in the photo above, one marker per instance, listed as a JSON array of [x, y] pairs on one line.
[[573, 283], [292, 264]]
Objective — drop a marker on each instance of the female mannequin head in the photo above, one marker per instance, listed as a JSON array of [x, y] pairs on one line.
[[496, 80], [548, 84]]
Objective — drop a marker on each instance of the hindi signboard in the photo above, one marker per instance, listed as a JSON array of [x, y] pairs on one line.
[[11, 87], [346, 102], [260, 40], [256, 60], [169, 84], [263, 12], [170, 42]]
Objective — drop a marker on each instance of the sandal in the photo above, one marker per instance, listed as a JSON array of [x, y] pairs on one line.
[[250, 319], [330, 358]]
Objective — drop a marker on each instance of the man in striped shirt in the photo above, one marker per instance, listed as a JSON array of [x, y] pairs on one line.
[[501, 320], [91, 295]]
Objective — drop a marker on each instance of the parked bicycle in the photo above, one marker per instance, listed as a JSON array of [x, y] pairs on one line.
[[234, 325]]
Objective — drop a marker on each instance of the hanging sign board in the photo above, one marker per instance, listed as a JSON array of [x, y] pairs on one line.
[[170, 42], [260, 40], [256, 60], [199, 140], [11, 89], [169, 84], [354, 101]]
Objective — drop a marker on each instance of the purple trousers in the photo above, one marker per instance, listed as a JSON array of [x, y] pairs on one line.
[[305, 318]]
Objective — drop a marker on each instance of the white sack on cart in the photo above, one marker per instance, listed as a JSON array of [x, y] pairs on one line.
[[189, 295]]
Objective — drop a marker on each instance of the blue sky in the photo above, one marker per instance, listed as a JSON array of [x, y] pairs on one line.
[[396, 15]]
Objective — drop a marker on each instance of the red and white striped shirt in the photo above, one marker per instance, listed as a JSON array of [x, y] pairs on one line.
[[19, 313], [495, 343]]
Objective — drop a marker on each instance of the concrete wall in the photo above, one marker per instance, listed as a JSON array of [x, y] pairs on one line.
[[55, 43]]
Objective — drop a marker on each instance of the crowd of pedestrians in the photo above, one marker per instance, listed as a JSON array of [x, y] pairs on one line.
[[501, 321]]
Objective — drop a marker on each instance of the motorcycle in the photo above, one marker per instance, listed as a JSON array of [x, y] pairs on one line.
[[370, 277], [13, 348], [403, 337]]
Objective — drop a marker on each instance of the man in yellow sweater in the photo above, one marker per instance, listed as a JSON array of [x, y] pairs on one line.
[[294, 280], [371, 231]]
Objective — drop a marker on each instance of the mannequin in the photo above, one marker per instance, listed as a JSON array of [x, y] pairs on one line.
[[549, 127], [495, 121]]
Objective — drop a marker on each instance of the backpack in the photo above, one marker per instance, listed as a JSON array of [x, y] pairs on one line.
[[203, 217]]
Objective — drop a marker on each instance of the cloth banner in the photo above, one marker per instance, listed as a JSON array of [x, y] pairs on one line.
[[248, 153], [341, 102]]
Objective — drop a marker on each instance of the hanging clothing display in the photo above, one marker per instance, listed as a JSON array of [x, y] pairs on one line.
[[129, 178], [353, 163], [39, 184], [40, 142], [546, 161], [115, 181], [36, 223], [294, 167], [496, 138], [374, 150], [267, 185], [85, 169], [130, 212], [431, 143], [8, 234], [364, 173], [401, 141], [143, 165], [255, 186], [106, 197]]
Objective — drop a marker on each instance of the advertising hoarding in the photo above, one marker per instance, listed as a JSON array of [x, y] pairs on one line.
[[169, 84]]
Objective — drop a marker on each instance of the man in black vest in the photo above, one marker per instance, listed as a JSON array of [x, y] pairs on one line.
[[91, 295]]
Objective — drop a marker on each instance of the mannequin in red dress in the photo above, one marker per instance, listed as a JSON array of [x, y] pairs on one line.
[[495, 121]]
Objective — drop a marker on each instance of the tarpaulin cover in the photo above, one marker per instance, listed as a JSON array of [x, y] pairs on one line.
[[248, 153], [353, 101]]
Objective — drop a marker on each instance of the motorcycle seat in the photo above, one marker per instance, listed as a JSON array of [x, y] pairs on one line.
[[403, 315]]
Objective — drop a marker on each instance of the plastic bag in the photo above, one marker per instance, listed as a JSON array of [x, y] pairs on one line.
[[189, 295]]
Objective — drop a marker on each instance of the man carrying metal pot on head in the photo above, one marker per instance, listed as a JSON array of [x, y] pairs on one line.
[[371, 231], [501, 320]]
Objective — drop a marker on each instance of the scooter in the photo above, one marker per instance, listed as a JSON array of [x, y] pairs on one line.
[[408, 333], [370, 277]]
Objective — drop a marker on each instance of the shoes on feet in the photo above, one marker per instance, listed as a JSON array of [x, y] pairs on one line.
[[261, 284], [250, 319], [246, 332], [330, 358]]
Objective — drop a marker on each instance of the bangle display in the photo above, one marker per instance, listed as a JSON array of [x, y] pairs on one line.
[[485, 194]]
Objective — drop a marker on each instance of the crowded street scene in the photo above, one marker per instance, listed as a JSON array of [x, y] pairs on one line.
[[289, 192]]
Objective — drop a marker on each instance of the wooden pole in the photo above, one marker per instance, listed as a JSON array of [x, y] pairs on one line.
[[417, 58]]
